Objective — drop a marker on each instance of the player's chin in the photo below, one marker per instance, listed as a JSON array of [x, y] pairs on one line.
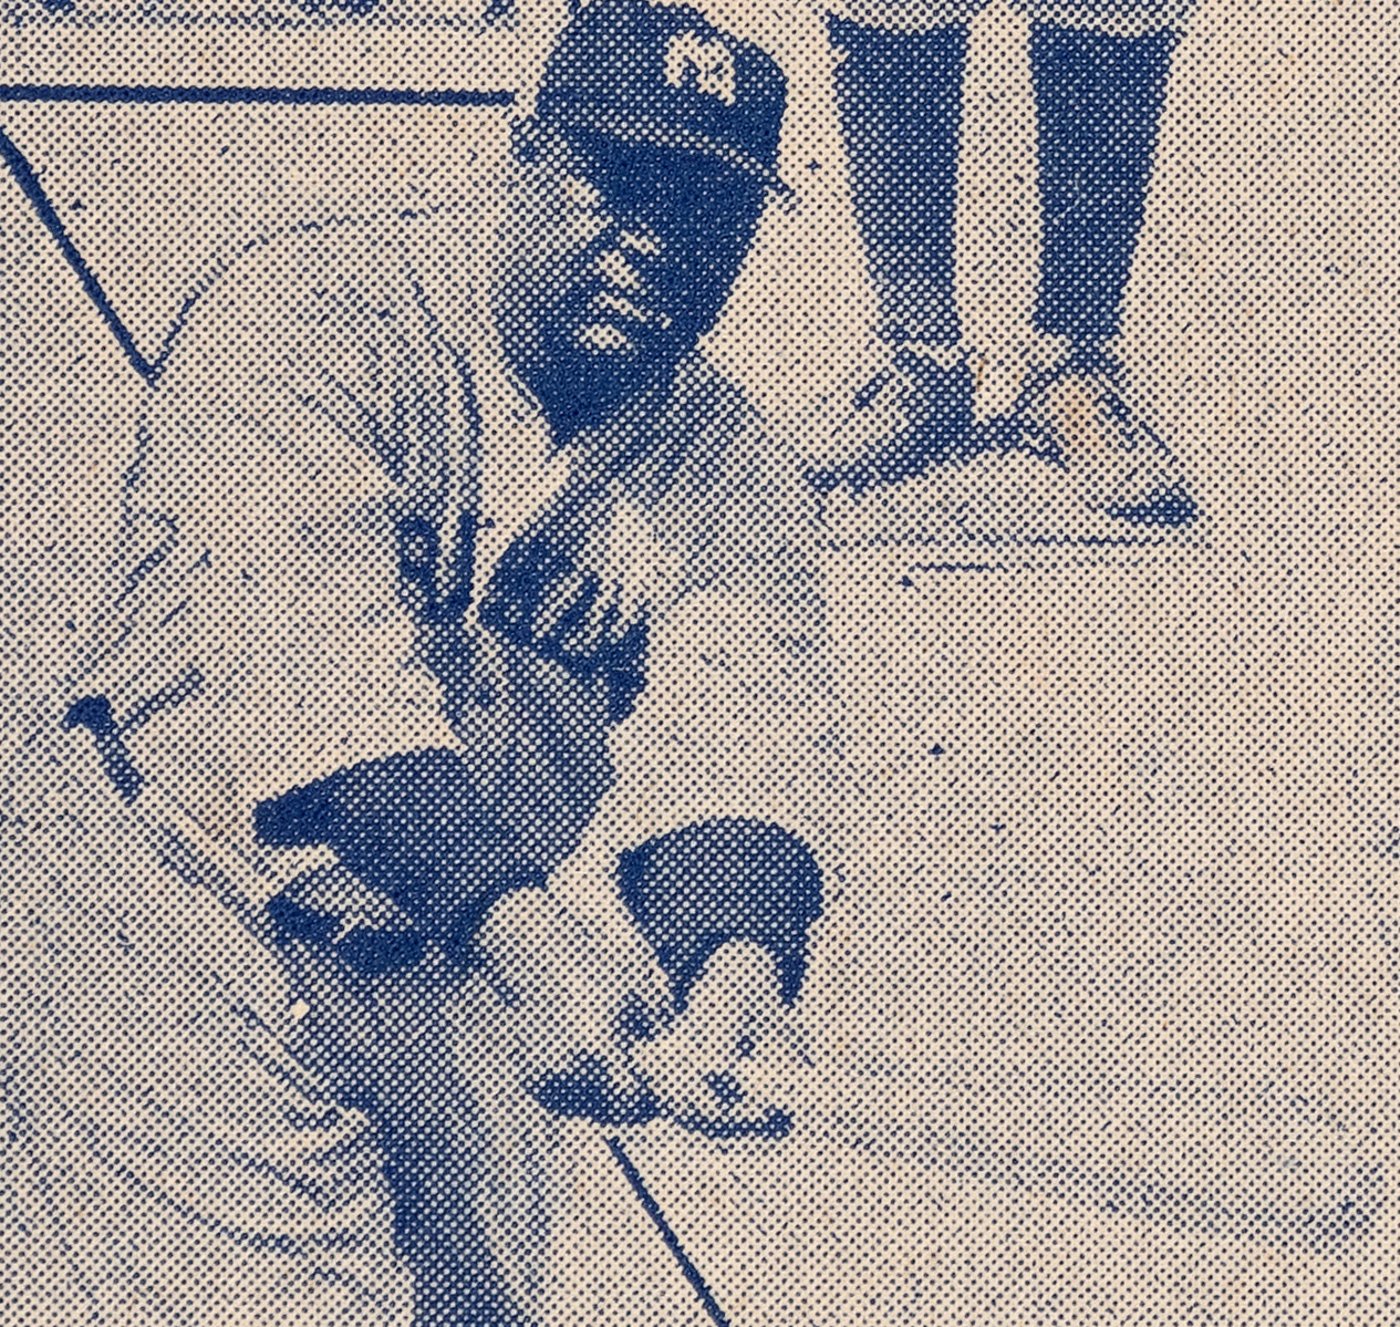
[[587, 369], [622, 360], [581, 390]]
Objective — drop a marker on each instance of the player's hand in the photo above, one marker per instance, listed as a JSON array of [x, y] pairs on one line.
[[728, 1065], [576, 1004]]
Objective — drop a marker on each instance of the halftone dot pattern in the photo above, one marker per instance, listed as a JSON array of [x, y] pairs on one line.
[[719, 663]]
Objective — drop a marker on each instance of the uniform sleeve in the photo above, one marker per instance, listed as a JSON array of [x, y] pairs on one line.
[[305, 407]]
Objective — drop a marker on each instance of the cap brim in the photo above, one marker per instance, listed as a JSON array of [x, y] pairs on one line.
[[630, 129]]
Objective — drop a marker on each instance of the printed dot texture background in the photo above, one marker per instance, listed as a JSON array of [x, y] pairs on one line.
[[1099, 1014]]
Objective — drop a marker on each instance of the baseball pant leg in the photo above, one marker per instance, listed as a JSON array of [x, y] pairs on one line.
[[1100, 86], [900, 100]]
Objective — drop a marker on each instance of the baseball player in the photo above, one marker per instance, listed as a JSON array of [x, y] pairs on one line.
[[400, 523], [1099, 70]]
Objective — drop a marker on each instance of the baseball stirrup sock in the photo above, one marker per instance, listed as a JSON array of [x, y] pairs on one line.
[[1098, 102], [900, 101]]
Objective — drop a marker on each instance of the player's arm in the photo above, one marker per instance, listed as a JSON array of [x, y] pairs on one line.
[[582, 991]]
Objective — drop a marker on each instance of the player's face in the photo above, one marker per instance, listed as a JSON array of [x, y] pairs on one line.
[[618, 258]]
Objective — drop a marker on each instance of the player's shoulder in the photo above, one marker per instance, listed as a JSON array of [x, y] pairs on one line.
[[703, 391], [731, 440], [707, 413], [324, 289]]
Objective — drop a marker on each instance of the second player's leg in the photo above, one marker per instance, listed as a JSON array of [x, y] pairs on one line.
[[1099, 72], [899, 97]]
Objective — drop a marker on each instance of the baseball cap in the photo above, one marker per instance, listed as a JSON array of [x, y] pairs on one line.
[[664, 75]]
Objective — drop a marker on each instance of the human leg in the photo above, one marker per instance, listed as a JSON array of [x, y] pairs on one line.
[[899, 95], [1099, 76]]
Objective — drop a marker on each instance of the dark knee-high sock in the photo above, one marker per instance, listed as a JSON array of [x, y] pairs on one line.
[[1099, 102], [900, 101]]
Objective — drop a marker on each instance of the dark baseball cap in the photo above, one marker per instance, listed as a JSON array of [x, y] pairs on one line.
[[663, 75]]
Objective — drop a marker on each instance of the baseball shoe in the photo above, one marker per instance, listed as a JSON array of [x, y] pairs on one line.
[[1075, 417], [920, 415]]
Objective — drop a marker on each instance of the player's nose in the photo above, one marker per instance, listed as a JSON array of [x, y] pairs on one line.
[[627, 267]]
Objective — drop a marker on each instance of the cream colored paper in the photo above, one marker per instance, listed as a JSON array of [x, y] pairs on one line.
[[1102, 997]]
